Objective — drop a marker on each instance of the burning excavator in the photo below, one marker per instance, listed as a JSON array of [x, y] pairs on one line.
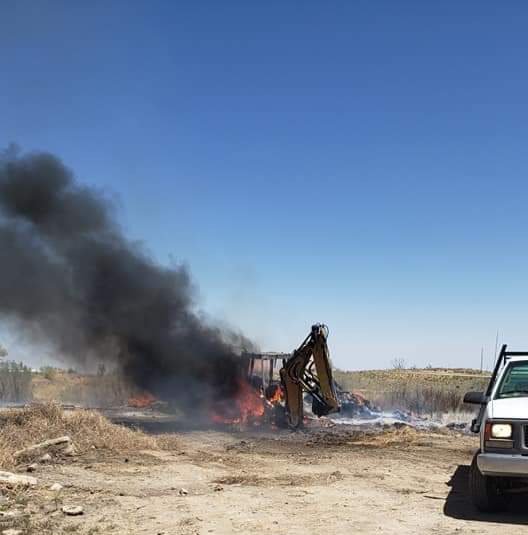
[[307, 372], [278, 399]]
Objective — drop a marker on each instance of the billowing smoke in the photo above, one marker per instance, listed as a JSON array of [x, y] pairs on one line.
[[69, 276]]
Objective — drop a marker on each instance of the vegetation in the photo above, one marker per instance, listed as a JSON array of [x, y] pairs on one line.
[[15, 382], [101, 391], [48, 372], [68, 386], [422, 391], [20, 428], [426, 391]]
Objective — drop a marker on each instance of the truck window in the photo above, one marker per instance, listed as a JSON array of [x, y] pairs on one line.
[[515, 381]]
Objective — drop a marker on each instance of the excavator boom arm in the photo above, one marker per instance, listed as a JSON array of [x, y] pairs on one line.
[[309, 370]]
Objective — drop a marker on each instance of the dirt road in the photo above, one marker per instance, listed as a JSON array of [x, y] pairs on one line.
[[329, 481]]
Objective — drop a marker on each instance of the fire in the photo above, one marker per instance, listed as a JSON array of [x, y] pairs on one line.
[[142, 400], [247, 406], [274, 394], [358, 397], [250, 406]]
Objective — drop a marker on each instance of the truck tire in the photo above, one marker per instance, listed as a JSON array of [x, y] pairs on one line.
[[485, 491]]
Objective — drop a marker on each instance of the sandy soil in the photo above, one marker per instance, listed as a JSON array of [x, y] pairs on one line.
[[333, 481]]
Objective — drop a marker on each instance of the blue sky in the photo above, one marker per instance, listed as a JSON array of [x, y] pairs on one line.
[[358, 163]]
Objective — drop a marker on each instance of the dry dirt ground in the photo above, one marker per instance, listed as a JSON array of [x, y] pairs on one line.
[[324, 481]]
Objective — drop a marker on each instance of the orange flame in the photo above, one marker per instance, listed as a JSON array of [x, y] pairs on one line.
[[247, 406], [143, 400], [274, 394]]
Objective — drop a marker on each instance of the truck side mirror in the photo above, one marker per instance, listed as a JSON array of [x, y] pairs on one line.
[[475, 398]]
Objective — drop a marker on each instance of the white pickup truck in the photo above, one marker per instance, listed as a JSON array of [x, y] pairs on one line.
[[500, 467]]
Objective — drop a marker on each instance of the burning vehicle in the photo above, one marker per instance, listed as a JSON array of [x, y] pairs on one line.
[[276, 389], [279, 398], [98, 297]]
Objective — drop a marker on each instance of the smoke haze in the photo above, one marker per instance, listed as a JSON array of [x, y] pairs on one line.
[[69, 276]]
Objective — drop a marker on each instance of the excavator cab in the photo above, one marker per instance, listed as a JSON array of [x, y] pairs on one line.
[[309, 371]]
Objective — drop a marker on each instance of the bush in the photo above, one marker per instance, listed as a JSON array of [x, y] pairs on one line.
[[48, 372], [398, 364], [15, 382]]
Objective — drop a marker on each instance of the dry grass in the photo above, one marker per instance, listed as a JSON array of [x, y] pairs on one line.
[[421, 391], [86, 390], [168, 442], [20, 428], [15, 382], [395, 437], [339, 437]]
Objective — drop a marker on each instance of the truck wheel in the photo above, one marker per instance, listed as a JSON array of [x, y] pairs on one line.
[[485, 491]]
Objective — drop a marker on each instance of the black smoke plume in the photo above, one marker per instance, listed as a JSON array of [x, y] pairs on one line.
[[69, 276]]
